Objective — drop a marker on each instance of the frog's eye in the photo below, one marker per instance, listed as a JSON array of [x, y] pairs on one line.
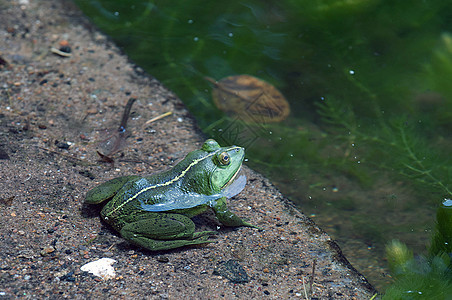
[[224, 158]]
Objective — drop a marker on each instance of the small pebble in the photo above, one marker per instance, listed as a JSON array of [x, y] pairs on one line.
[[3, 154], [65, 49], [62, 145], [232, 271], [162, 259], [47, 250]]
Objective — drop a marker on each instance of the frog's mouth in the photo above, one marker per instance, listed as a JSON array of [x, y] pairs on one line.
[[231, 180]]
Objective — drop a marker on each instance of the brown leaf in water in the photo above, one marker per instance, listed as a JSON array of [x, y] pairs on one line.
[[250, 98]]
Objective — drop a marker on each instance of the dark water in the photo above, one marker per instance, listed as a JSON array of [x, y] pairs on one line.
[[366, 148]]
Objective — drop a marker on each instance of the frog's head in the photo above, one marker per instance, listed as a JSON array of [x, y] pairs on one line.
[[224, 163]]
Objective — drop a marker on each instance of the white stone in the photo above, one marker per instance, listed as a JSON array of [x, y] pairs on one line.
[[101, 268]]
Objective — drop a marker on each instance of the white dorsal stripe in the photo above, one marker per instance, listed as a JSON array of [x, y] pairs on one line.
[[174, 179]]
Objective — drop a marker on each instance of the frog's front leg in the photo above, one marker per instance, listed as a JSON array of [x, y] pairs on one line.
[[162, 231], [226, 217]]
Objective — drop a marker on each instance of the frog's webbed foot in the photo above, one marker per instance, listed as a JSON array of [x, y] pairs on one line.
[[162, 231]]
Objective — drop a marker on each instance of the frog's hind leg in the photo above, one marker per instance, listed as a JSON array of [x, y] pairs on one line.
[[107, 189], [161, 231]]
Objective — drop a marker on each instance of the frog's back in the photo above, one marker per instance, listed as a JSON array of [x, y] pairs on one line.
[[158, 189], [136, 191], [184, 186]]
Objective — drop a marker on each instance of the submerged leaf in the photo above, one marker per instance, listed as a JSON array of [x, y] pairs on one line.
[[250, 98]]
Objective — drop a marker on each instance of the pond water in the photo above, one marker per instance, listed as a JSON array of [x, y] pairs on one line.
[[365, 150]]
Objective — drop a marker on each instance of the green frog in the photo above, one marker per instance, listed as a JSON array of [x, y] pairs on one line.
[[154, 212]]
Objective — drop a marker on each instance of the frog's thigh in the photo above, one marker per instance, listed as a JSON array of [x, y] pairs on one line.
[[161, 231], [107, 189], [161, 226]]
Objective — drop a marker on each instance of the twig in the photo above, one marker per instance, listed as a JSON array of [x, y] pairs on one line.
[[158, 117], [60, 53], [109, 248], [304, 289], [311, 281]]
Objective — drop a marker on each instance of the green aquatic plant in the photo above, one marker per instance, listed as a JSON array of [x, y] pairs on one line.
[[397, 144], [439, 73], [440, 67], [424, 277], [442, 237]]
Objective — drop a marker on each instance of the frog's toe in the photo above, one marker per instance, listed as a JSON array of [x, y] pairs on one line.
[[201, 240], [205, 234], [252, 226], [195, 241]]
